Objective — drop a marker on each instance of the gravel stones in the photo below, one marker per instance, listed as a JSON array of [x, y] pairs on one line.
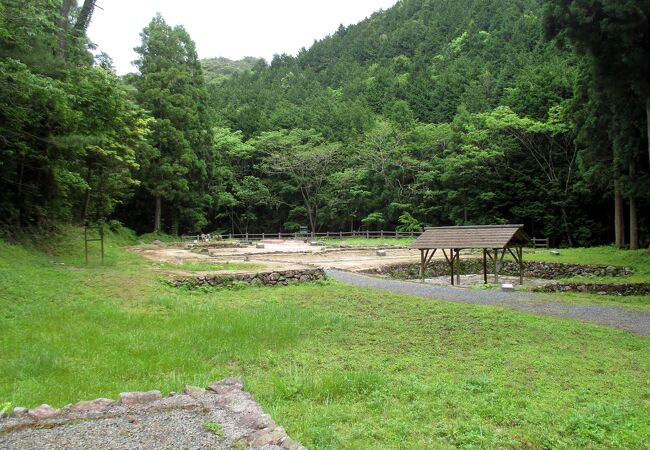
[[139, 398], [144, 420]]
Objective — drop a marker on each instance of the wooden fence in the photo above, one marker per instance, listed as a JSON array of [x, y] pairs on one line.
[[296, 235]]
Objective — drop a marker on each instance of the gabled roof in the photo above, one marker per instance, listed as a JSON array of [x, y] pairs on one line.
[[473, 236]]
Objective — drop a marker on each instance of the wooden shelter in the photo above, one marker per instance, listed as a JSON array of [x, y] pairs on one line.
[[494, 240]]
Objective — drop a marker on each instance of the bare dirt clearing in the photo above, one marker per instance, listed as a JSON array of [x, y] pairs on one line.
[[287, 255]]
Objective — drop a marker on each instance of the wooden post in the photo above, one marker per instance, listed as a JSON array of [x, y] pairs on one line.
[[484, 266], [367, 234], [422, 259], [340, 235], [86, 242], [101, 237], [496, 265], [520, 250], [451, 265], [458, 272]]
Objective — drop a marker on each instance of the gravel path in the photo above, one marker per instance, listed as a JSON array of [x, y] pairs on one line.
[[635, 321]]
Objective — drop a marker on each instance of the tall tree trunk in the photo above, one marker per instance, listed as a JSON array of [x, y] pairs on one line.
[[634, 224], [86, 206], [647, 122], [567, 229], [84, 16], [156, 220], [64, 14], [619, 223]]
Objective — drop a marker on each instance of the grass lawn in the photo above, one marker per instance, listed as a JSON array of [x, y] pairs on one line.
[[337, 366], [638, 260]]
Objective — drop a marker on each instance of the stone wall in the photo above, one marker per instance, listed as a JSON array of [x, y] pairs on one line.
[[598, 288], [532, 269], [222, 415], [280, 277]]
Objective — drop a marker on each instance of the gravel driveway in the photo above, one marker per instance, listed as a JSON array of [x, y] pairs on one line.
[[635, 321]]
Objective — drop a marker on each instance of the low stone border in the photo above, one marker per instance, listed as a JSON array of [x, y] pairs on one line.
[[281, 277], [532, 269], [598, 288], [236, 418]]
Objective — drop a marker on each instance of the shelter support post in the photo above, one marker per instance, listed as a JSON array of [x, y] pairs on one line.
[[496, 265], [422, 258], [519, 257], [520, 251], [450, 261], [484, 266], [458, 266], [425, 258]]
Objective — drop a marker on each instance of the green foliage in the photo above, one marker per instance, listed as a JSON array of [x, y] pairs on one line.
[[215, 428], [373, 220], [171, 86], [457, 112], [217, 70], [71, 137], [408, 223]]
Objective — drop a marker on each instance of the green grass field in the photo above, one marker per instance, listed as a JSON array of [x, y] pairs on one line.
[[339, 367]]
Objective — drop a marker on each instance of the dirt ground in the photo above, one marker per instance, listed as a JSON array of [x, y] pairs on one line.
[[279, 255], [282, 255], [477, 280]]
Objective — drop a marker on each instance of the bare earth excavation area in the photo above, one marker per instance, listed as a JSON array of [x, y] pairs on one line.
[[282, 255]]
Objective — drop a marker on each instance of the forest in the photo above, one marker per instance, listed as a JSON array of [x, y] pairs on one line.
[[433, 112]]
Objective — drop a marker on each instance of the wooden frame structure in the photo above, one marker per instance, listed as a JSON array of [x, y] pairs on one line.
[[494, 240], [87, 239]]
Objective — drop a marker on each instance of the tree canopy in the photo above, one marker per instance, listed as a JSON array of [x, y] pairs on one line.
[[428, 113]]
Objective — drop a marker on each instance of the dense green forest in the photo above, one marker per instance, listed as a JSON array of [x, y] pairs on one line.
[[433, 112]]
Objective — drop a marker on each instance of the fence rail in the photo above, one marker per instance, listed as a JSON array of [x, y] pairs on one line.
[[296, 235], [540, 243]]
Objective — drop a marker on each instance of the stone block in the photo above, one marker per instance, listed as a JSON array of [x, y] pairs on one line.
[[194, 391], [227, 385], [99, 404], [139, 398], [554, 253], [19, 411], [507, 287], [43, 412], [381, 252]]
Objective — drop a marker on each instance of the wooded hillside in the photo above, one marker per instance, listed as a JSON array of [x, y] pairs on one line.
[[433, 112]]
